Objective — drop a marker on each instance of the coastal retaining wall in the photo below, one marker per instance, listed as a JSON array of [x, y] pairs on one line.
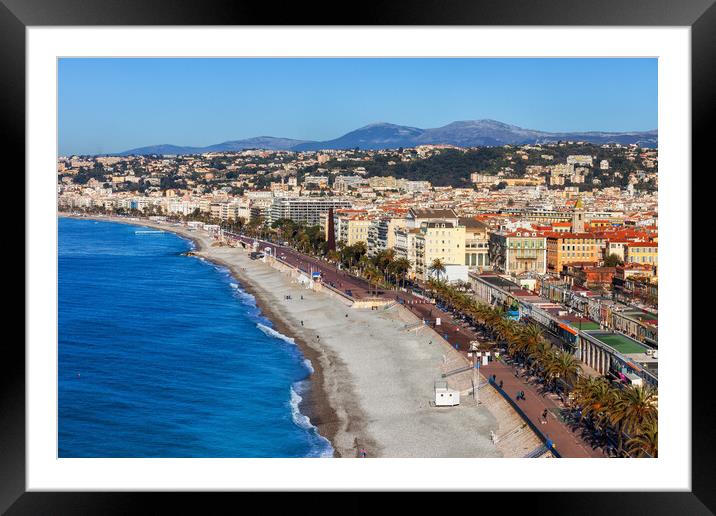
[[372, 303], [303, 278]]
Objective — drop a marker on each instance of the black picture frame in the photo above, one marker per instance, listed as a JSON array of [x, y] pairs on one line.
[[16, 15]]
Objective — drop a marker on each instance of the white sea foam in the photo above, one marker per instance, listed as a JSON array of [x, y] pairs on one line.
[[309, 365], [322, 448], [234, 285], [273, 333]]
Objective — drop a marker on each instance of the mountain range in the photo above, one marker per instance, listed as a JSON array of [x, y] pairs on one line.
[[469, 133]]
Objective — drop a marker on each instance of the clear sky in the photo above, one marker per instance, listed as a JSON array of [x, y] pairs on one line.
[[111, 105]]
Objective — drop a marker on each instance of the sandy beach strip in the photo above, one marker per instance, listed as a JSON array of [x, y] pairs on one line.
[[372, 386]]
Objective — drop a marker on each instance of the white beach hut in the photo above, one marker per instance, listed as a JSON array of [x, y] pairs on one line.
[[444, 396]]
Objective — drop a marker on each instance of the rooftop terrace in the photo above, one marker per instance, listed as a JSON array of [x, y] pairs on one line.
[[621, 343]]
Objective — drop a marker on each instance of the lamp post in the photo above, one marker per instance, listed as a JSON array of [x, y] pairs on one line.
[[475, 371]]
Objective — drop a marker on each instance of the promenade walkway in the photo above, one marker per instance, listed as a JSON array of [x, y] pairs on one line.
[[567, 442]]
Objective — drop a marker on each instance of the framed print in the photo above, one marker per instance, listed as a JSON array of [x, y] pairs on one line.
[[263, 244]]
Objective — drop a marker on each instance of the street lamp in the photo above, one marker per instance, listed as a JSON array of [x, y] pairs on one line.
[[474, 344]]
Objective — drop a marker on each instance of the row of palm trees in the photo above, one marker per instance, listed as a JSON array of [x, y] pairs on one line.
[[383, 269], [524, 342], [380, 270], [630, 412], [624, 411]]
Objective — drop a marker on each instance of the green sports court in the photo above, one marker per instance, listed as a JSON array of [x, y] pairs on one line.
[[620, 343]]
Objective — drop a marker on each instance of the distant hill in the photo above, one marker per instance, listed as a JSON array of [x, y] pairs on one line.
[[259, 142], [468, 133], [373, 136]]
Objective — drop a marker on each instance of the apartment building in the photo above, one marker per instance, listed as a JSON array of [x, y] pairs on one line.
[[315, 181], [476, 243], [303, 209], [641, 252], [567, 248], [442, 240], [381, 234], [416, 216], [405, 247], [345, 183], [518, 251], [351, 226]]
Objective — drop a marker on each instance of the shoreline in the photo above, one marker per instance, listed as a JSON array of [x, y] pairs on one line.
[[371, 383], [315, 403]]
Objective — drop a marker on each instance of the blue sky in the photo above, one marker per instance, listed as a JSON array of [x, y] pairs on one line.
[[110, 105]]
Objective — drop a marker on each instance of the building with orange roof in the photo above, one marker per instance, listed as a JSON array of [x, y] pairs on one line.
[[566, 248], [561, 227]]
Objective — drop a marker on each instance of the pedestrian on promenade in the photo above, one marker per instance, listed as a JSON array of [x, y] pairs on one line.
[[544, 417], [301, 323], [500, 384]]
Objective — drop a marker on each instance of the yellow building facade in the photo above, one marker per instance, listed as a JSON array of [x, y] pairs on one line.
[[566, 248]]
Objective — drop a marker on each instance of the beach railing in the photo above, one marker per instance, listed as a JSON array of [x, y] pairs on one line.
[[457, 371], [537, 452], [413, 326]]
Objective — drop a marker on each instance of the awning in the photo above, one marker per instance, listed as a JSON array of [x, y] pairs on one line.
[[567, 328]]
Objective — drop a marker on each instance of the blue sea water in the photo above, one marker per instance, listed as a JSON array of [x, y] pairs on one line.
[[164, 355]]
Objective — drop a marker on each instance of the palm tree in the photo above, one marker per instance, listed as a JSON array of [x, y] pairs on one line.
[[400, 268], [595, 397], [540, 354], [372, 274], [437, 268], [364, 262], [634, 408], [532, 334], [564, 366], [383, 259], [646, 442]]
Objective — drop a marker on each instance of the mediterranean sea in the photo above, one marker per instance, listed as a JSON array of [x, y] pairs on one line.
[[165, 355]]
